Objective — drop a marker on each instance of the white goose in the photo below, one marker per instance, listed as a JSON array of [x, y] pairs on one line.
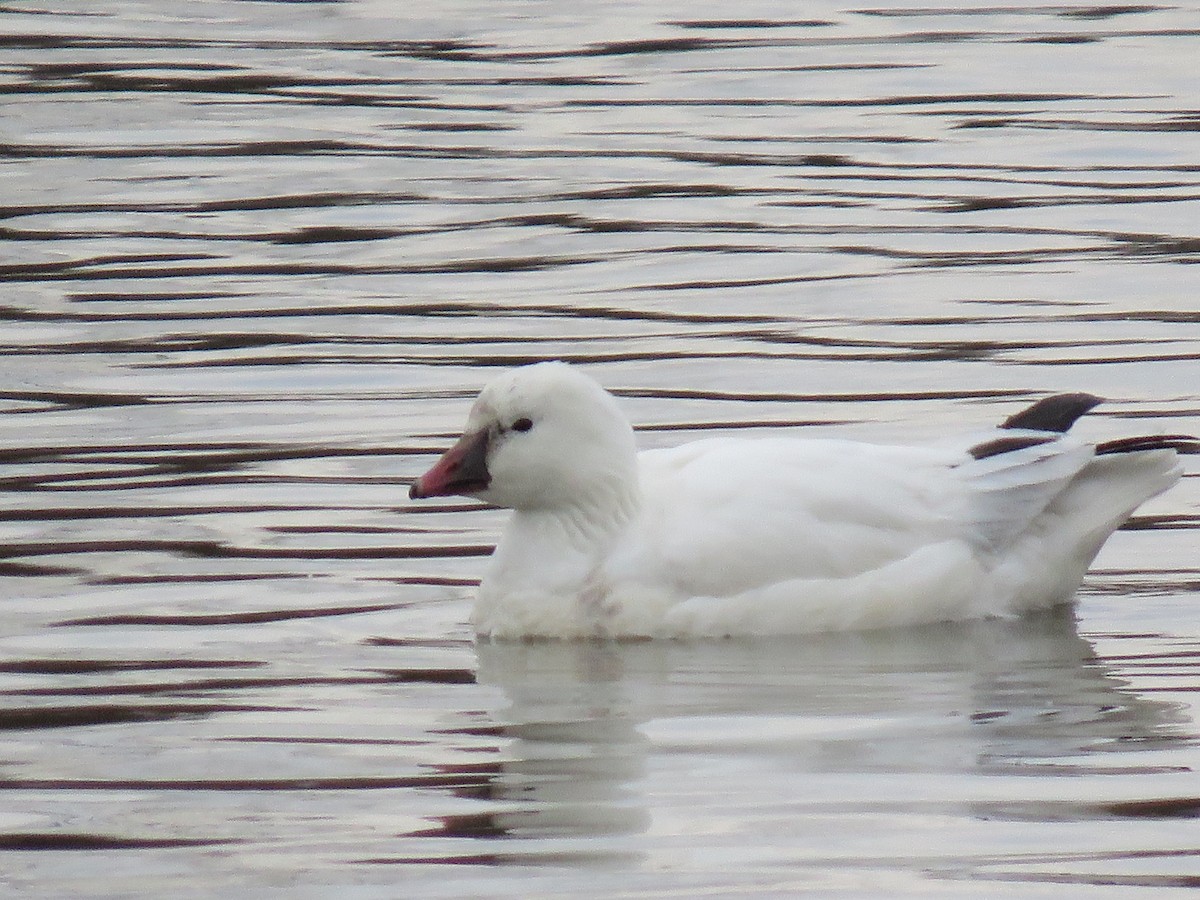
[[777, 535]]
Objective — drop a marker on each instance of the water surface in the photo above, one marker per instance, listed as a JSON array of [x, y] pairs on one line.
[[258, 257]]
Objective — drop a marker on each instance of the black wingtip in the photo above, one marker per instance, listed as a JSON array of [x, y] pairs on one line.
[[1057, 413], [1008, 444]]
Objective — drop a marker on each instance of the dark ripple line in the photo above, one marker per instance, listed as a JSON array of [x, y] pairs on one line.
[[749, 23], [23, 841], [469, 51], [965, 174], [320, 147], [312, 349], [590, 224], [37, 718], [362, 783], [303, 235], [84, 513], [1169, 123], [209, 685], [257, 617], [322, 741], [766, 281], [101, 269], [256, 149], [105, 666], [423, 643], [449, 51], [170, 476], [33, 570], [941, 203], [741, 424], [112, 74], [218, 578], [315, 200], [432, 309], [1098, 12], [76, 399], [1105, 360], [89, 481], [333, 199], [1178, 122], [309, 348], [126, 78], [562, 859], [195, 454], [944, 36], [841, 103], [787, 397], [1092, 315], [651, 354], [176, 578], [224, 551]]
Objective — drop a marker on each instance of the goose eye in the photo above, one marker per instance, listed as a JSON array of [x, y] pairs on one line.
[[522, 424]]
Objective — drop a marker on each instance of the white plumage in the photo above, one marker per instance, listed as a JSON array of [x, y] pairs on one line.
[[778, 535]]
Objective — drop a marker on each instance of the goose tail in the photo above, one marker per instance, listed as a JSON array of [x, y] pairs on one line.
[[1044, 503]]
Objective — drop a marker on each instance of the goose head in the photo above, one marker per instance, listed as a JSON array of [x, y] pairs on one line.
[[543, 436]]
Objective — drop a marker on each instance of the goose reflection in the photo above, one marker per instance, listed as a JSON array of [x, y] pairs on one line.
[[600, 730]]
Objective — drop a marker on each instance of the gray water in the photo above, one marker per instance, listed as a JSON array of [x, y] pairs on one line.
[[257, 258]]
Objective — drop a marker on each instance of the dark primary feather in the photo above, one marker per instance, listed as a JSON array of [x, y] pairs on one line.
[[1008, 444], [1057, 413]]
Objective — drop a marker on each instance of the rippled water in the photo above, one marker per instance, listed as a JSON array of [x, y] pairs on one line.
[[257, 257]]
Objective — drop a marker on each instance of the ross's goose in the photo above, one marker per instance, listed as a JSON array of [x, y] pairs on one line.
[[732, 536]]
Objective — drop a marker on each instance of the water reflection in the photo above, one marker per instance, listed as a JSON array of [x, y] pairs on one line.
[[606, 733]]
